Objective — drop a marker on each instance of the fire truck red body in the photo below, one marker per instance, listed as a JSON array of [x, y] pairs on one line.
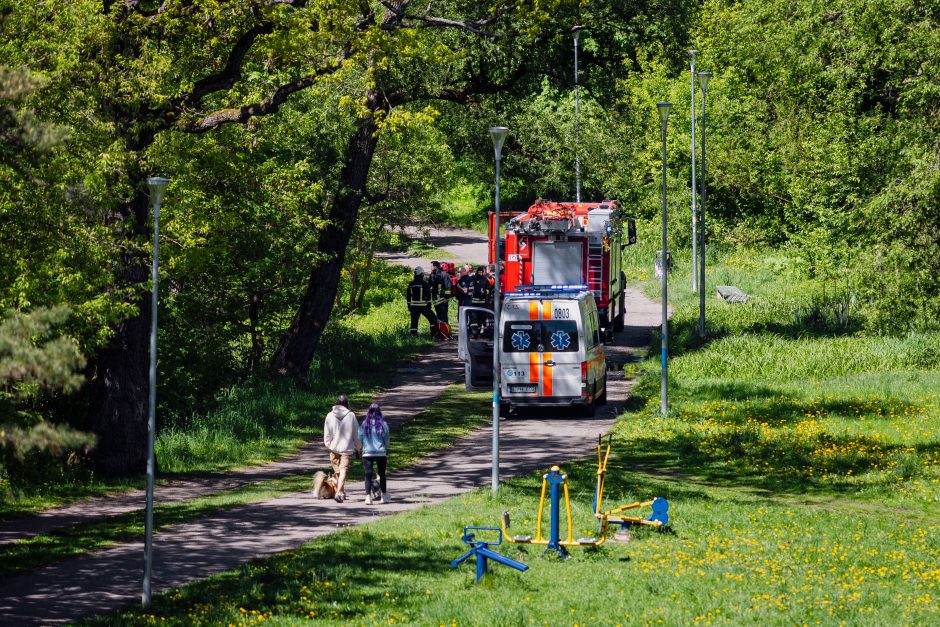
[[556, 243]]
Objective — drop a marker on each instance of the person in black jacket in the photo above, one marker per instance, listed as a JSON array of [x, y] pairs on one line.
[[482, 288], [418, 294], [465, 286], [441, 288], [479, 297]]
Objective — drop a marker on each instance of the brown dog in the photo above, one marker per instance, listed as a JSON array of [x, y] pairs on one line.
[[324, 485]]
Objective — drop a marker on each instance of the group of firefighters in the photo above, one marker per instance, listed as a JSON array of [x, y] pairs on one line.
[[429, 295]]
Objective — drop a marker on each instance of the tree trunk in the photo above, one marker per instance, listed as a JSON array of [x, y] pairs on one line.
[[300, 341], [119, 387], [257, 341]]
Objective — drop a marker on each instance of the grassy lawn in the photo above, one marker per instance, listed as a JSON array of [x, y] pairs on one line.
[[260, 420], [801, 458], [732, 556], [454, 414]]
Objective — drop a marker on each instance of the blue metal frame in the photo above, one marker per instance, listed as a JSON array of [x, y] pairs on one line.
[[480, 550], [555, 480]]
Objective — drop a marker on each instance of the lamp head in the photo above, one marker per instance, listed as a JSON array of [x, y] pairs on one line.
[[664, 108], [498, 133], [693, 53], [703, 78], [576, 29], [157, 185]]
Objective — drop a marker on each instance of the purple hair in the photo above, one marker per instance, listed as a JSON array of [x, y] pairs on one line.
[[374, 421]]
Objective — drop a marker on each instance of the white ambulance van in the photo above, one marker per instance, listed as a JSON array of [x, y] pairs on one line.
[[550, 350]]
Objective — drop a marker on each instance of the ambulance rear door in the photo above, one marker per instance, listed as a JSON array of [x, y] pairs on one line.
[[541, 356]]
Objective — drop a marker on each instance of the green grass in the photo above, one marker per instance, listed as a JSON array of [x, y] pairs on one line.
[[454, 414], [730, 557], [801, 458], [467, 207], [259, 420]]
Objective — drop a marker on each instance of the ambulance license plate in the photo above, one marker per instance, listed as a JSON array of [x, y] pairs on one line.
[[523, 388]]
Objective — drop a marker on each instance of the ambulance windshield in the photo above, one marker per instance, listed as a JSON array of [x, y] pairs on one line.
[[540, 336]]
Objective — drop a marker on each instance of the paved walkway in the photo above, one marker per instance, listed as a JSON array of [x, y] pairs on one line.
[[414, 387], [463, 246], [105, 580]]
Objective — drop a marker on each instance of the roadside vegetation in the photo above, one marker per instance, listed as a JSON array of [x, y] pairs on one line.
[[801, 459], [250, 422], [456, 413]]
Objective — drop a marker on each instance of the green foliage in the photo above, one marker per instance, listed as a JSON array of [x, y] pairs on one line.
[[821, 134], [36, 361], [32, 358]]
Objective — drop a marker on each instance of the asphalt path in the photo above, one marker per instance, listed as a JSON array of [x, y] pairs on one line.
[[104, 580]]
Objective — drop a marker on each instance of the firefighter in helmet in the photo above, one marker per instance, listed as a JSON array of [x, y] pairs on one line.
[[418, 294], [479, 296], [441, 288]]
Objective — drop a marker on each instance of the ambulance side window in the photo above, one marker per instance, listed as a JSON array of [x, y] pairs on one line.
[[592, 324]]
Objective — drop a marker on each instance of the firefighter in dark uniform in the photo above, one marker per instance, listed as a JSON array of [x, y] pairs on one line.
[[418, 294], [465, 287], [479, 297], [440, 292]]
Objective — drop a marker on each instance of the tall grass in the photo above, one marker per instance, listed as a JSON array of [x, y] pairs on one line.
[[789, 391], [772, 357], [264, 419]]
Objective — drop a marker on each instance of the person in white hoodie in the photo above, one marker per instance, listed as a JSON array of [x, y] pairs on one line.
[[341, 437]]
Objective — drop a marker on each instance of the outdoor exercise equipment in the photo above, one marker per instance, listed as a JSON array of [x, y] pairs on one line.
[[480, 549], [558, 481], [659, 505]]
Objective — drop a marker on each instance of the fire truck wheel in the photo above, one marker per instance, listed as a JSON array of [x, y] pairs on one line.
[[618, 320]]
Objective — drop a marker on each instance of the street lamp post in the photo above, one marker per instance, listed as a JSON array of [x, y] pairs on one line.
[[157, 187], [498, 134], [703, 78], [664, 108], [577, 119], [692, 53]]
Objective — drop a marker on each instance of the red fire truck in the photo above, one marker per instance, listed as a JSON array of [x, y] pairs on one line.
[[565, 243]]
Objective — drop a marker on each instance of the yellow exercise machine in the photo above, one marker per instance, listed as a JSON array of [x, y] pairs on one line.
[[557, 481], [660, 506]]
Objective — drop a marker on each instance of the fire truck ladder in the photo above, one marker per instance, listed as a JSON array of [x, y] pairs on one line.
[[595, 277]]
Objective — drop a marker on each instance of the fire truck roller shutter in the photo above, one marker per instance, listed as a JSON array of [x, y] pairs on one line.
[[557, 263]]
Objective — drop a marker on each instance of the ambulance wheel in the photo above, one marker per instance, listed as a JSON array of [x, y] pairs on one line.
[[602, 399], [589, 409], [504, 410]]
